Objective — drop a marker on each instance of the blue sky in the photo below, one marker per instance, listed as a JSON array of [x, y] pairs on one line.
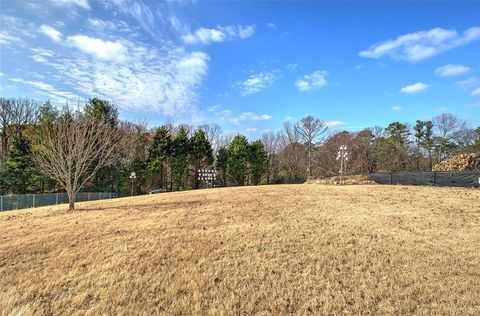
[[248, 66]]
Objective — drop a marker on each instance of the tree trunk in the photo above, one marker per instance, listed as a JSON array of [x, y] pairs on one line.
[[309, 163], [71, 200]]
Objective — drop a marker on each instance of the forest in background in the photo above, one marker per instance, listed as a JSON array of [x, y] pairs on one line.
[[169, 157]]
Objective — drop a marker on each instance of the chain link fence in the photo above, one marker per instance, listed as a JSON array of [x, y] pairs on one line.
[[15, 202], [440, 178]]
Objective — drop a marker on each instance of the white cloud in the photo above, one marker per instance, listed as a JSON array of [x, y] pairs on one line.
[[476, 92], [245, 31], [421, 45], [41, 55], [205, 36], [452, 70], [99, 24], [51, 32], [219, 34], [397, 108], [16, 31], [414, 88], [81, 3], [257, 82], [6, 38], [159, 81], [105, 50], [250, 116], [315, 80], [334, 123]]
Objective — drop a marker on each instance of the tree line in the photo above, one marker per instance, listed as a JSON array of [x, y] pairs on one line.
[[46, 149]]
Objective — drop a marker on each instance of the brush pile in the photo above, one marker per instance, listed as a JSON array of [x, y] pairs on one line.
[[348, 180], [460, 162]]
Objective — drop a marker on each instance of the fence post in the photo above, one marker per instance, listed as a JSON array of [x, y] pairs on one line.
[[33, 200], [1, 203], [434, 178], [391, 178], [56, 199]]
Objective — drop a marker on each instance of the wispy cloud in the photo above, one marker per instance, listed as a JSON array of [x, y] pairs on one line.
[[315, 80], [80, 3], [397, 108], [476, 92], [51, 32], [16, 30], [48, 90], [271, 25], [41, 55], [257, 82], [219, 34], [335, 123], [467, 84], [452, 70], [138, 10], [414, 88], [249, 116], [6, 38], [474, 104], [421, 45]]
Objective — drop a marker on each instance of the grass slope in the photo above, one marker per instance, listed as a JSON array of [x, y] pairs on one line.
[[269, 250]]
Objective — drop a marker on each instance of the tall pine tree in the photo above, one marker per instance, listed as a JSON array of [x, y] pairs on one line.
[[237, 164], [221, 164], [257, 159], [158, 156], [179, 159], [201, 154]]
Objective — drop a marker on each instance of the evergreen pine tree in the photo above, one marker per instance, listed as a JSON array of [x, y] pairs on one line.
[[201, 154], [237, 164], [158, 155], [221, 164], [179, 158], [17, 173], [257, 159]]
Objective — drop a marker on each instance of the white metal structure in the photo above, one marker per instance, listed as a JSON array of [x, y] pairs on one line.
[[342, 156]]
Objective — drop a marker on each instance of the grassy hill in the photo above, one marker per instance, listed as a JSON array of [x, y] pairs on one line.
[[269, 250]]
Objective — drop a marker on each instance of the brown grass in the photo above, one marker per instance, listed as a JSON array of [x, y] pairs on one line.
[[306, 249]]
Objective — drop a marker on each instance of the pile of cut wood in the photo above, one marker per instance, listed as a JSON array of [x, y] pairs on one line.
[[459, 163]]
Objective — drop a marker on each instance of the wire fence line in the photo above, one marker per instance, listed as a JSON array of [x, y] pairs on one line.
[[15, 202]]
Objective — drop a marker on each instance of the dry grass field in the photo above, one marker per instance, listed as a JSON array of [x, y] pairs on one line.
[[288, 249]]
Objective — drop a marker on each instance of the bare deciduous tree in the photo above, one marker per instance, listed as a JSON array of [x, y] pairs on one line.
[[15, 115], [292, 153], [311, 131], [73, 149], [5, 123], [273, 144], [448, 128], [212, 133]]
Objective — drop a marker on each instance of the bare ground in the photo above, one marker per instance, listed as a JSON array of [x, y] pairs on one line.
[[303, 249]]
